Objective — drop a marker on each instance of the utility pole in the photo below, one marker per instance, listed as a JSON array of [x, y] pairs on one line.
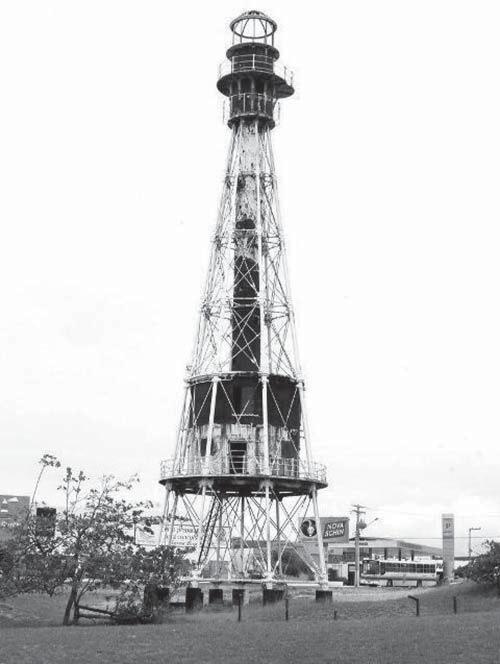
[[470, 540], [358, 510]]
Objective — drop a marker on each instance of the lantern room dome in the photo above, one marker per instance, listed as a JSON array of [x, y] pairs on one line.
[[253, 26]]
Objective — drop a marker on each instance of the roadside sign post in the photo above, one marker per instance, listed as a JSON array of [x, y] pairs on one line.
[[417, 604]]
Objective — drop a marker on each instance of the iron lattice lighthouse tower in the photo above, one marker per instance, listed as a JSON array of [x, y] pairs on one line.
[[243, 472]]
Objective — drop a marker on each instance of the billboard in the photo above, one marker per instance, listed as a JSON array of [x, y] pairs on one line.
[[333, 528], [183, 535], [13, 508], [45, 524], [448, 526]]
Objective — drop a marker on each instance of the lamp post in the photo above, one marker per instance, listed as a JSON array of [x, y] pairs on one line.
[[470, 540]]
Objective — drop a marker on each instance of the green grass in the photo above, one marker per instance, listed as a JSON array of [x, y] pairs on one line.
[[42, 611], [367, 630], [468, 638]]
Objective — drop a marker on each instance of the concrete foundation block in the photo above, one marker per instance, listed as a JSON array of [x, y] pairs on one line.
[[216, 596], [272, 595], [324, 596], [240, 594], [194, 599]]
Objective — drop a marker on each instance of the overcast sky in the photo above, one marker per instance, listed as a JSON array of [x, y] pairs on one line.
[[112, 151]]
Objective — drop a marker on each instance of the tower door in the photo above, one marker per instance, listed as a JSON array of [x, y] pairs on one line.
[[237, 457]]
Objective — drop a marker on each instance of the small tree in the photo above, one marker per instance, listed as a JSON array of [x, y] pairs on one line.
[[91, 546], [95, 535], [484, 568], [154, 575]]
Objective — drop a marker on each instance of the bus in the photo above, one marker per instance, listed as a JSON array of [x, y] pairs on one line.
[[394, 572]]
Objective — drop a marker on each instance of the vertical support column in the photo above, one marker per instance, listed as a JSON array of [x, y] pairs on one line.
[[291, 313], [242, 535], [181, 432], [206, 465], [264, 364], [219, 534], [305, 424], [200, 525], [265, 425], [262, 202], [227, 200], [172, 520], [267, 490], [165, 515], [180, 458], [278, 534], [323, 579], [264, 358]]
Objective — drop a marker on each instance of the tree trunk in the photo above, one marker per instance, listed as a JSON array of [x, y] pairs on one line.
[[156, 602], [71, 603]]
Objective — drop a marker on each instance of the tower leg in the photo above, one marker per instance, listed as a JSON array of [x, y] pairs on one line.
[[219, 536], [323, 578], [200, 525], [163, 529], [242, 535], [269, 569], [278, 535], [172, 520]]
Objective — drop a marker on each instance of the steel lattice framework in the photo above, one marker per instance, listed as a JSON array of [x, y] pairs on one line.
[[243, 474], [250, 191]]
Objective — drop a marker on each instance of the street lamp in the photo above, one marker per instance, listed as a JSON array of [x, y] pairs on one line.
[[360, 525], [470, 540]]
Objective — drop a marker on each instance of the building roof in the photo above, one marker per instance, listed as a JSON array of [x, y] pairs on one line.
[[388, 543], [13, 507], [12, 510]]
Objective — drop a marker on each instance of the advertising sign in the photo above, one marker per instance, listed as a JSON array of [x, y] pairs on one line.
[[183, 535], [448, 523], [308, 527], [448, 526], [333, 528], [145, 539], [45, 524]]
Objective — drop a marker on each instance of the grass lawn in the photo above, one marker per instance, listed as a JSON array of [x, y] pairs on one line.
[[42, 611], [467, 638], [367, 631]]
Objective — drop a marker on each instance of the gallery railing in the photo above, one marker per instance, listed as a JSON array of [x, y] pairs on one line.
[[234, 464]]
